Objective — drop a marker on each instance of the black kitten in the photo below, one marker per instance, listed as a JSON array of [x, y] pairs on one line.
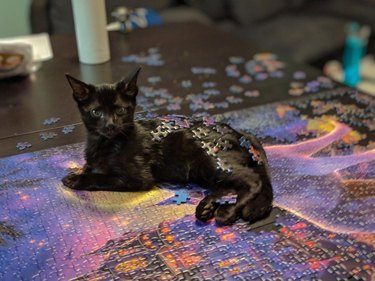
[[123, 154]]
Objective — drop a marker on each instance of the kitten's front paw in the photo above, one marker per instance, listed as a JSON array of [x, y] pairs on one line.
[[206, 209], [72, 181]]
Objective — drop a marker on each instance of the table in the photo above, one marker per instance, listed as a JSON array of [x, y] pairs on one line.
[[318, 137], [27, 102]]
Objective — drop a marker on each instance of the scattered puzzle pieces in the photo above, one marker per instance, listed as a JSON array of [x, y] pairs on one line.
[[51, 120], [232, 71], [186, 84], [47, 135], [299, 75], [236, 60], [252, 93], [320, 83], [211, 92], [235, 89], [233, 99], [245, 79], [154, 79], [68, 129], [265, 65], [23, 145], [152, 58], [209, 84], [203, 70]]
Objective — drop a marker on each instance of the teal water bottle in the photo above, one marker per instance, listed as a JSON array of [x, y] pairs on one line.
[[355, 49], [352, 56]]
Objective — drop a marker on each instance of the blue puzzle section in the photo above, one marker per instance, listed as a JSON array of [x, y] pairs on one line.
[[321, 157]]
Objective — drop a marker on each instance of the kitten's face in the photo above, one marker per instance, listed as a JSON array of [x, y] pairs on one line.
[[106, 109]]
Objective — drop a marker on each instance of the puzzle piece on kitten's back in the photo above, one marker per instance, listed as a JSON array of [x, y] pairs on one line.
[[169, 127], [200, 132], [207, 145], [159, 134], [227, 199], [163, 130], [221, 129], [223, 144], [255, 155], [211, 150], [223, 165], [245, 142]]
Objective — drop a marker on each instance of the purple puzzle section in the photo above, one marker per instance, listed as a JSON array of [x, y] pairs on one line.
[[322, 158]]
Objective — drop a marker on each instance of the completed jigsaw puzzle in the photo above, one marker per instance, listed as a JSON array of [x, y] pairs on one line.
[[321, 152]]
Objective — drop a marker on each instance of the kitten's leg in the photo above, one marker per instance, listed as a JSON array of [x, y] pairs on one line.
[[207, 207], [92, 181], [258, 208], [249, 186]]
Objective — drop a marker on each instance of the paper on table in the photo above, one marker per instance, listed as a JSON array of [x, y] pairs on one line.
[[40, 42]]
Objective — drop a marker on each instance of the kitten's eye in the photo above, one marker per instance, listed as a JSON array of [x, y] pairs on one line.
[[120, 110], [96, 113]]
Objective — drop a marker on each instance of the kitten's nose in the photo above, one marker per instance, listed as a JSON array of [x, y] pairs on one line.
[[110, 130], [110, 124], [110, 127]]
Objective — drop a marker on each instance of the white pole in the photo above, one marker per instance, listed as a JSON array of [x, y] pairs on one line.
[[90, 22]]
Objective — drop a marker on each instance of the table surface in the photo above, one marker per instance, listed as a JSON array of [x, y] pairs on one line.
[[26, 102]]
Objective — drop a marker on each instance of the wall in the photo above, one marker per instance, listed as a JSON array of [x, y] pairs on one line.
[[14, 17]]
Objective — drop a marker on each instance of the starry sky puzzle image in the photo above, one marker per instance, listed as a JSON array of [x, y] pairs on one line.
[[321, 150]]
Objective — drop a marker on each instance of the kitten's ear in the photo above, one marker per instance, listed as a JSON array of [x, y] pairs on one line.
[[128, 87], [81, 91]]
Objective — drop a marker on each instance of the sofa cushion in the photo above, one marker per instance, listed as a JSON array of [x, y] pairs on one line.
[[151, 4], [184, 14], [301, 37], [215, 9], [362, 11], [250, 11]]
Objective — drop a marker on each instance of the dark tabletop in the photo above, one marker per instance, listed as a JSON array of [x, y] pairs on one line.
[[26, 102]]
